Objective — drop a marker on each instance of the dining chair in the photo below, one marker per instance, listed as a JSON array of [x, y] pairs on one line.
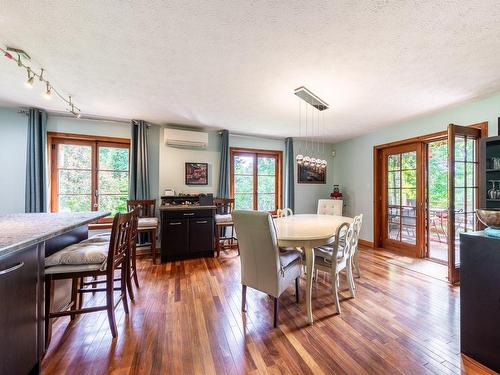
[[358, 221], [264, 266], [283, 212], [223, 224], [330, 207], [91, 260], [147, 225], [338, 257]]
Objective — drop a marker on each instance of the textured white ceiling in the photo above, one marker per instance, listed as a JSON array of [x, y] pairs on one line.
[[234, 64]]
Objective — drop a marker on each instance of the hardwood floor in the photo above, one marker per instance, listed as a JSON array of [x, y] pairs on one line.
[[187, 320]]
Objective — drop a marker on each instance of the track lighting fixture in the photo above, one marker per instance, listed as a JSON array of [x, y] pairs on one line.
[[10, 52]]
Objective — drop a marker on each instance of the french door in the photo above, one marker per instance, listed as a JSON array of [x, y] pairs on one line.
[[463, 189], [402, 198]]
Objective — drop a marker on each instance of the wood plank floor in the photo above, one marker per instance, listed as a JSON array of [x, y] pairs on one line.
[[187, 320]]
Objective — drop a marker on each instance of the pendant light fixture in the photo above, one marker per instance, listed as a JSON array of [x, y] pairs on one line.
[[315, 105]]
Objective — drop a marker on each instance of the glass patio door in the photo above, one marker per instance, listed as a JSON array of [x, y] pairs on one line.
[[463, 181], [402, 198]]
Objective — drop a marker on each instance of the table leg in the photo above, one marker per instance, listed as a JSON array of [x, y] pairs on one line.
[[309, 276]]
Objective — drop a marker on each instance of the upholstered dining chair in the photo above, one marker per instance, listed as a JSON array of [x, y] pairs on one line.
[[335, 258], [148, 224], [283, 212], [223, 224], [330, 207], [264, 266], [91, 260]]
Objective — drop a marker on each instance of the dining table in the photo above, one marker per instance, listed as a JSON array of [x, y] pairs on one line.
[[308, 231]]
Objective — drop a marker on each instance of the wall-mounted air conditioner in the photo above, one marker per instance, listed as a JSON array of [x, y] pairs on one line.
[[185, 138]]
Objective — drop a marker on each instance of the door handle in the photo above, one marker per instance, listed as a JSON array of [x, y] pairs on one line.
[[11, 269], [189, 214], [202, 222], [177, 223]]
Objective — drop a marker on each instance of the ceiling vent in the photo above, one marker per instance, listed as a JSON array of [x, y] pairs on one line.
[[185, 138]]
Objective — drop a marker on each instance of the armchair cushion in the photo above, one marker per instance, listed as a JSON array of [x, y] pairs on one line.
[[288, 256]]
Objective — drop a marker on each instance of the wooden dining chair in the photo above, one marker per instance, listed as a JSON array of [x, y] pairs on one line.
[[91, 260], [283, 212], [147, 225], [223, 224], [338, 257]]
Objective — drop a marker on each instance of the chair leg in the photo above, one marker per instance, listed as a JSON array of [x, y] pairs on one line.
[[124, 279], [48, 301], [276, 310], [350, 279], [243, 298], [217, 241], [110, 305], [153, 245], [297, 290], [356, 264], [128, 281], [94, 285], [74, 296], [335, 291], [134, 265], [80, 297]]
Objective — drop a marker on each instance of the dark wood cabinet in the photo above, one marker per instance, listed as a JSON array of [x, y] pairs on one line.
[[187, 233], [19, 292]]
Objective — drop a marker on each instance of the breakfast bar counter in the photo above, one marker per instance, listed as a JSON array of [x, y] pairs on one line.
[[25, 240]]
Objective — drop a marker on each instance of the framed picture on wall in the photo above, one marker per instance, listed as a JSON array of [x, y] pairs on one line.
[[310, 175], [196, 174]]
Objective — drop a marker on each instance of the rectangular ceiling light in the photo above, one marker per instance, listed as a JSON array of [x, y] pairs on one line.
[[309, 97]]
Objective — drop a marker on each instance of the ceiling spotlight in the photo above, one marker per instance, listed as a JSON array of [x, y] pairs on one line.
[[48, 94], [31, 77]]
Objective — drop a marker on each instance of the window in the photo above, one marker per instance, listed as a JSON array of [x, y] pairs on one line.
[[88, 173], [256, 179]]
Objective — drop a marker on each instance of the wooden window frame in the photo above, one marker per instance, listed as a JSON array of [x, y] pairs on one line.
[[378, 160], [233, 151], [55, 138]]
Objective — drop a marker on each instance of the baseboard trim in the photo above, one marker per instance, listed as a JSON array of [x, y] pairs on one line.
[[366, 243]]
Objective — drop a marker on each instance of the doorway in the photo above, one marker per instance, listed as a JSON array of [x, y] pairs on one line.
[[426, 194]]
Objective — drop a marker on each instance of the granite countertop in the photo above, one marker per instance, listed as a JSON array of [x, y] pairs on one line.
[[186, 207], [18, 231]]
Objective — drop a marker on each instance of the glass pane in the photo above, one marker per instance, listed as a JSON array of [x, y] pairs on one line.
[[266, 166], [459, 148], [74, 203], [470, 174], [113, 203], [266, 184], [74, 182], [393, 179], [459, 174], [471, 222], [408, 234], [409, 160], [243, 201], [393, 196], [243, 164], [393, 162], [409, 178], [471, 200], [393, 227], [266, 202], [243, 184], [471, 149], [409, 197], [74, 156], [113, 182], [113, 158], [409, 215], [459, 200]]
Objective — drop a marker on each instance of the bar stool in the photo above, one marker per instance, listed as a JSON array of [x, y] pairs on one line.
[[223, 222], [148, 224], [91, 260]]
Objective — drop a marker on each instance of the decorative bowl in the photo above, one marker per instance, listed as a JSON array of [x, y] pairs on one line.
[[489, 217]]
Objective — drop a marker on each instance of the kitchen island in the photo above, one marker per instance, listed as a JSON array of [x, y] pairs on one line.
[[25, 240]]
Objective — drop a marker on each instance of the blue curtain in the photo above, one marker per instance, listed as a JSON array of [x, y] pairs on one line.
[[36, 179], [223, 191], [139, 168], [289, 175]]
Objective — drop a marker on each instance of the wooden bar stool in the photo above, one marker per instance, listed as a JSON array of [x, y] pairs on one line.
[[91, 260], [223, 222], [148, 224]]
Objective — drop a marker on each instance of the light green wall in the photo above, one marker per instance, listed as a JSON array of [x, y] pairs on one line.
[[353, 163], [13, 132]]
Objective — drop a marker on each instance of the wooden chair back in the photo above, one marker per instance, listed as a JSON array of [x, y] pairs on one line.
[[147, 207], [283, 212], [224, 206], [119, 243]]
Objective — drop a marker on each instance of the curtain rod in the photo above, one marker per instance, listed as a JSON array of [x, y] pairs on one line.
[[252, 136]]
